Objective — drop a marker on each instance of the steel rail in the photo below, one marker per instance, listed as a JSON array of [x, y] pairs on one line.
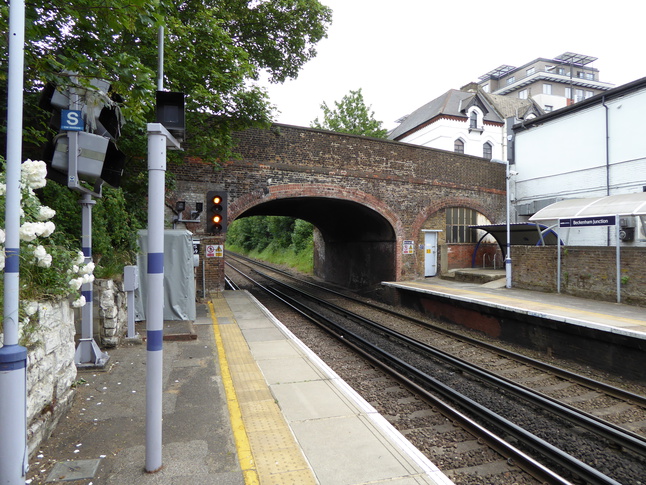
[[583, 380], [518, 458], [575, 466]]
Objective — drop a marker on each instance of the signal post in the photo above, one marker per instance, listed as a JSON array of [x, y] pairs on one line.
[[212, 243]]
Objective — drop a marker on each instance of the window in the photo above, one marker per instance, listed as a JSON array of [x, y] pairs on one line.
[[547, 88], [568, 93], [531, 71], [458, 220], [511, 80], [458, 146], [522, 94], [473, 120], [578, 95], [589, 76], [560, 71], [487, 151], [589, 94]]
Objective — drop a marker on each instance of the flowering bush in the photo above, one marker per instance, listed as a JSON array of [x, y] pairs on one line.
[[47, 271]]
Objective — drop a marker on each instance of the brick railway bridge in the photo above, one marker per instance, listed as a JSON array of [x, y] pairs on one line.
[[381, 208]]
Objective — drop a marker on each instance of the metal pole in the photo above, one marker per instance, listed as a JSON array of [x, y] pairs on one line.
[[618, 257], [88, 353], [13, 357], [558, 260], [160, 59], [130, 296], [508, 256], [155, 300]]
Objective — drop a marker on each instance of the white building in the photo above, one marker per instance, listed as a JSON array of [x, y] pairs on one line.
[[467, 121], [593, 148]]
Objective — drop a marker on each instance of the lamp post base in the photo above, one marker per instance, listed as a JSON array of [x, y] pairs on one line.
[[89, 356]]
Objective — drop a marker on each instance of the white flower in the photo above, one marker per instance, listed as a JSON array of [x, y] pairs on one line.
[[45, 213], [87, 269], [30, 231], [40, 252], [88, 278], [3, 189], [48, 229], [2, 260], [79, 302], [46, 261], [80, 258], [33, 174], [76, 283], [31, 308], [2, 236]]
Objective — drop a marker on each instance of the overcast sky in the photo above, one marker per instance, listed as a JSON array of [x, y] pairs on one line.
[[404, 53]]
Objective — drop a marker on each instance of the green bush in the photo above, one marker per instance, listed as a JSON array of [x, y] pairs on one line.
[[275, 239], [114, 227]]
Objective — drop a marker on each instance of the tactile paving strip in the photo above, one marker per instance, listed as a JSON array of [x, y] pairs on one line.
[[276, 457]]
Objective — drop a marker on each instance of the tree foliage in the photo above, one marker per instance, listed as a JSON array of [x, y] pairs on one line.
[[271, 235], [350, 115], [214, 50]]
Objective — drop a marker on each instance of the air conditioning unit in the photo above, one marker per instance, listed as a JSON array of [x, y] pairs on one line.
[[627, 234]]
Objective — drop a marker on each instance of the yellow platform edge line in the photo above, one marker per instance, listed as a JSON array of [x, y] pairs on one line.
[[243, 446]]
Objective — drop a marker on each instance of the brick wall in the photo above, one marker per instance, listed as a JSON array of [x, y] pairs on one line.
[[409, 185], [588, 272]]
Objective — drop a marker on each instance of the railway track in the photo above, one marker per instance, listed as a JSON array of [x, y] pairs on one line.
[[552, 440]]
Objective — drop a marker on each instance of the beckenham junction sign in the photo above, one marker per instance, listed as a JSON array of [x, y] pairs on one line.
[[612, 210]]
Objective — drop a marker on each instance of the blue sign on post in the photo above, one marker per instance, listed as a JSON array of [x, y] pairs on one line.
[[71, 120], [588, 221]]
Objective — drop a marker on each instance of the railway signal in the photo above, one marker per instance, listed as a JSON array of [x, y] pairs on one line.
[[216, 212]]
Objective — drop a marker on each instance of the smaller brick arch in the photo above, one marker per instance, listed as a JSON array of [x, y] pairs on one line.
[[438, 205]]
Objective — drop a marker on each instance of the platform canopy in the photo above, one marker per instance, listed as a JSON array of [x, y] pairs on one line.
[[612, 205], [521, 234]]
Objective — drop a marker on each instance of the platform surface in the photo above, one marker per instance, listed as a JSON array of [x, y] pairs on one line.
[[244, 403], [606, 316]]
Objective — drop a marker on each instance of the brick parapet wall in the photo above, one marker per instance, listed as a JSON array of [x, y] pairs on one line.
[[587, 272]]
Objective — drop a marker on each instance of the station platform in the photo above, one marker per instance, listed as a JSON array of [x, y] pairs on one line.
[[244, 403], [616, 318]]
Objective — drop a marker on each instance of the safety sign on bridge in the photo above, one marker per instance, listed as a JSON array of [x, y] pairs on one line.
[[409, 247], [214, 251]]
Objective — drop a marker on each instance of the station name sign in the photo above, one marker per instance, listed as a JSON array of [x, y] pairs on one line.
[[588, 221]]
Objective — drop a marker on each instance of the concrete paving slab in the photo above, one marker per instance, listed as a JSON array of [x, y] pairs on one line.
[[294, 369], [311, 400], [355, 445]]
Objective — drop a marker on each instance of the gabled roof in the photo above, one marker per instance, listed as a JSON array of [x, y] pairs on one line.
[[455, 103]]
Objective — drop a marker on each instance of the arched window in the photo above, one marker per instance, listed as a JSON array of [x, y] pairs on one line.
[[487, 151], [473, 120], [458, 146], [458, 220]]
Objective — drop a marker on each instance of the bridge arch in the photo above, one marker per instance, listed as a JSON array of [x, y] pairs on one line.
[[356, 233]]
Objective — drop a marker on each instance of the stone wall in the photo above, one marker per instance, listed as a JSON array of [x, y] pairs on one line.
[[51, 371], [110, 312], [586, 271]]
